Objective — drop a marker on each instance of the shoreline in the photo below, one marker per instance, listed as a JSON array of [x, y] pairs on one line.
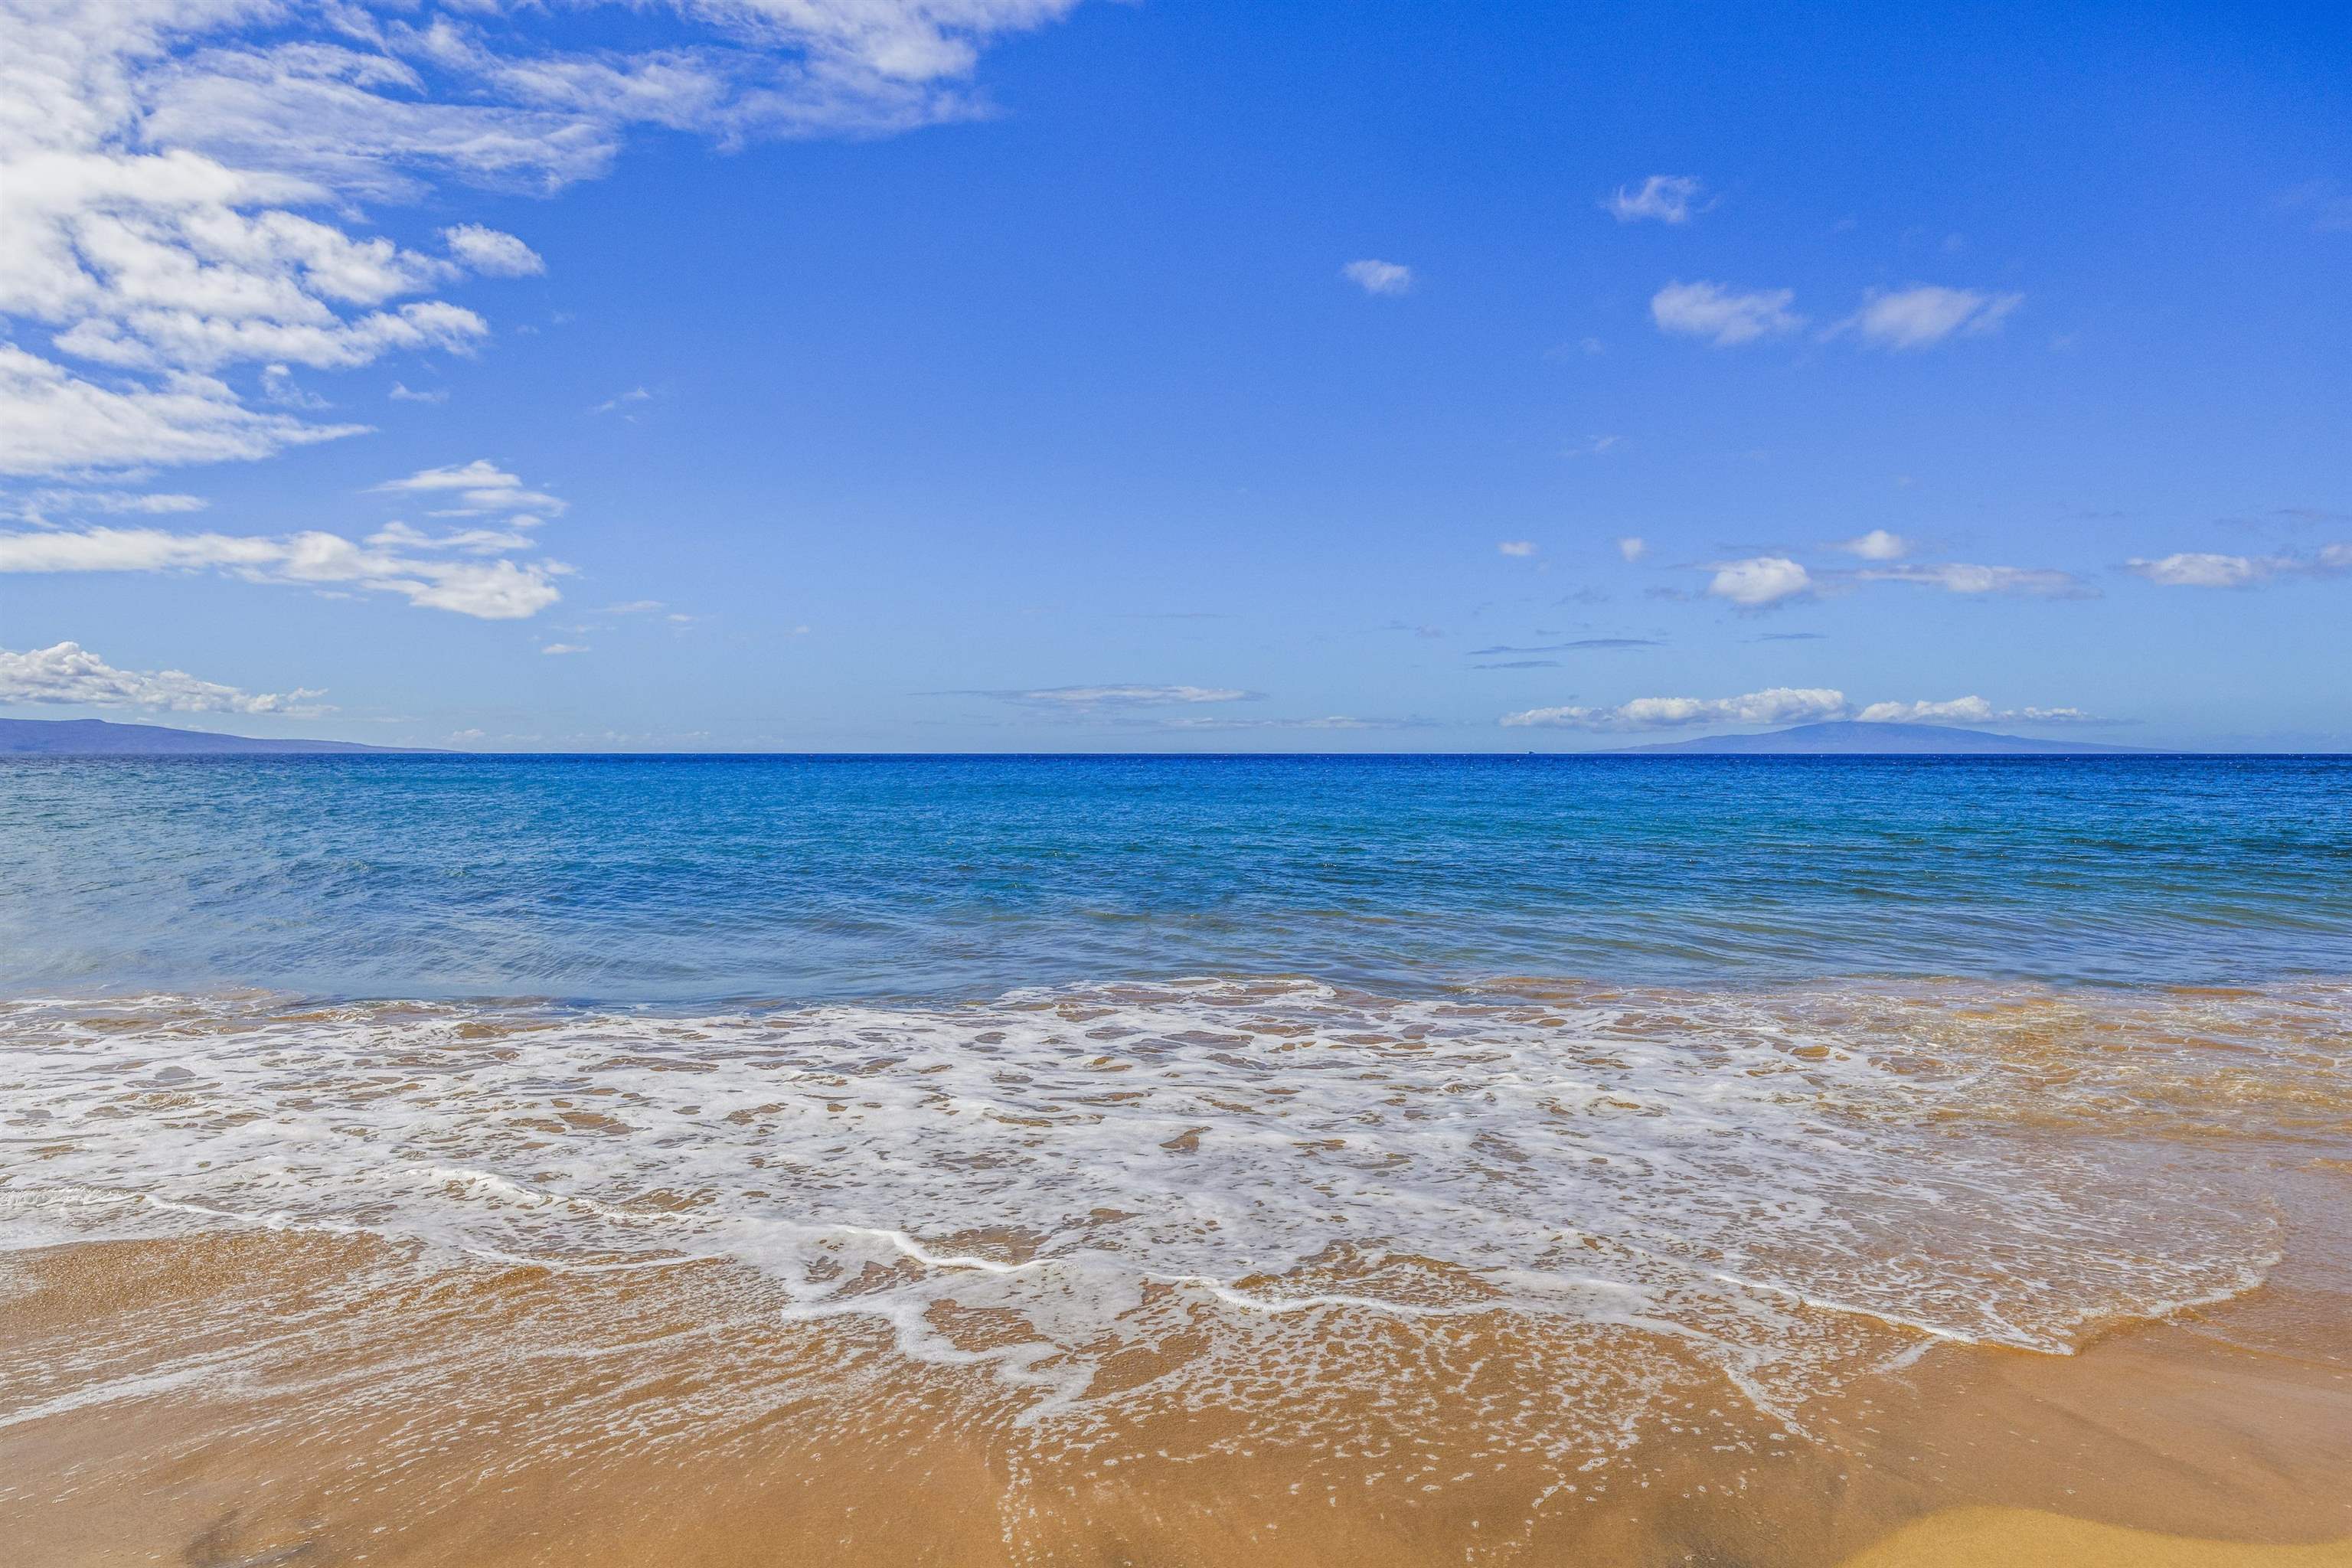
[[1230, 1274], [347, 1403]]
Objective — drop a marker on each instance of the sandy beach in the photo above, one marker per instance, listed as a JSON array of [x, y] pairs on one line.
[[378, 1413], [271, 1302]]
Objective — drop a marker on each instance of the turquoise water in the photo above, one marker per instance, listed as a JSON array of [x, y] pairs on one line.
[[685, 880]]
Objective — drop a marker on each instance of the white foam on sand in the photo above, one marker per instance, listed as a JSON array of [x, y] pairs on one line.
[[1762, 1182]]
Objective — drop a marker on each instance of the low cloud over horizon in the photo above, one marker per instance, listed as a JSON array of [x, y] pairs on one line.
[[70, 675], [1781, 705]]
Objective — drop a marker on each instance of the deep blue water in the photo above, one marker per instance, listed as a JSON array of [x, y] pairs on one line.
[[670, 879]]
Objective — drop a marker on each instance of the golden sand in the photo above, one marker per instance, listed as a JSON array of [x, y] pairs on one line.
[[328, 1400], [2027, 1538], [327, 1387]]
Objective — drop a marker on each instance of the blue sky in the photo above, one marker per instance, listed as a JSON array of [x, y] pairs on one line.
[[874, 375]]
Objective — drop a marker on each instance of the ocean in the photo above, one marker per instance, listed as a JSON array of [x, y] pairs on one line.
[[1542, 1112], [687, 879]]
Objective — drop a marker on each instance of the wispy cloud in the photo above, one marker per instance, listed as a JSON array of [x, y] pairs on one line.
[[1581, 645], [1632, 548], [401, 393], [278, 387], [1783, 705], [1387, 278], [487, 590], [1723, 316], [1924, 315], [558, 648], [1097, 698], [42, 505], [1968, 711], [1665, 198], [1779, 705], [475, 489], [53, 422], [1878, 544], [1961, 577], [2198, 569], [69, 674], [616, 403], [1522, 547], [490, 251], [186, 185]]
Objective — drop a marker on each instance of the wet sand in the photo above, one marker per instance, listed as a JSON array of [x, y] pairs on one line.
[[1259, 1275], [267, 1397], [1994, 1537]]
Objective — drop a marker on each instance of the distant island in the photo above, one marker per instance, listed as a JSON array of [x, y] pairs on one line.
[[1851, 738], [98, 738]]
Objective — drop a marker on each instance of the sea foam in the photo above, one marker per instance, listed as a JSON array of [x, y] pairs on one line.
[[1771, 1183]]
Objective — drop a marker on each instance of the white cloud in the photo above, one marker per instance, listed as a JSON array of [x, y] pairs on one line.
[[1668, 198], [1632, 547], [477, 488], [54, 422], [69, 673], [186, 340], [1379, 276], [490, 251], [496, 541], [2197, 569], [1924, 315], [565, 647], [1878, 544], [1759, 581], [181, 185], [634, 395], [1960, 577], [278, 387], [1723, 316], [401, 394], [1967, 710], [40, 505], [479, 474], [1519, 547], [1779, 705], [488, 590], [1782, 705]]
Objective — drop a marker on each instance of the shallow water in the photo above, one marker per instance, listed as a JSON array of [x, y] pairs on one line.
[[1787, 1183]]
